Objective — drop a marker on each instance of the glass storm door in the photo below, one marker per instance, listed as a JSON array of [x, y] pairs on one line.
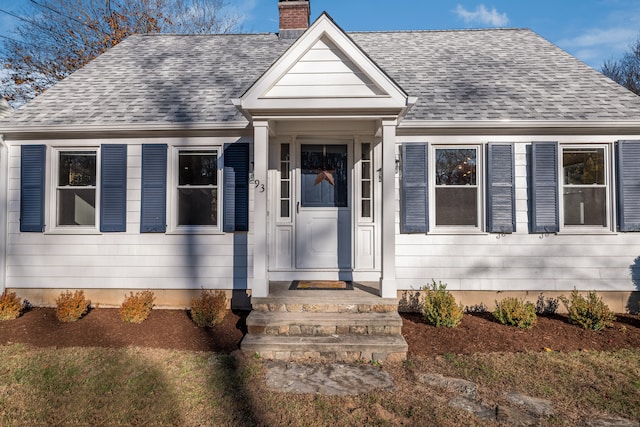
[[323, 220]]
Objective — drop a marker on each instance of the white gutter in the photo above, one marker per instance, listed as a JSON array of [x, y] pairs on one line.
[[145, 127], [510, 124]]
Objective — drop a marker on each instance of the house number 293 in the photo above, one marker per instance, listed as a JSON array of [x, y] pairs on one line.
[[259, 185]]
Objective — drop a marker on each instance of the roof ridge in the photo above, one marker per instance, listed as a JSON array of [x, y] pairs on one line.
[[448, 30], [266, 33]]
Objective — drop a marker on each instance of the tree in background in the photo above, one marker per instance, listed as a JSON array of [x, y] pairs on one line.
[[57, 37], [626, 70]]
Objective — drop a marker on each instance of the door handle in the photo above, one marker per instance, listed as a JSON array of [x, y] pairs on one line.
[[298, 207]]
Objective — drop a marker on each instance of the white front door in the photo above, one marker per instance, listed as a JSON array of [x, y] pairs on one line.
[[323, 214]]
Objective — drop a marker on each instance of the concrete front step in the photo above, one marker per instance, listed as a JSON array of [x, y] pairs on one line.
[[339, 348], [324, 324]]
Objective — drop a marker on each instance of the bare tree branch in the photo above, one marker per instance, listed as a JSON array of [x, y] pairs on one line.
[[57, 37], [626, 70]]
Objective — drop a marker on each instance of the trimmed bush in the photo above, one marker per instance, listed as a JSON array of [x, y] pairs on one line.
[[515, 312], [209, 309], [137, 307], [439, 307], [590, 312], [547, 305], [71, 306], [10, 306]]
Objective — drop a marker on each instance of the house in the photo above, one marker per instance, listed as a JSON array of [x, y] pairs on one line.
[[490, 160]]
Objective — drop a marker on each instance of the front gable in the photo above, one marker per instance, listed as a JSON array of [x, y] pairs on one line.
[[324, 71]]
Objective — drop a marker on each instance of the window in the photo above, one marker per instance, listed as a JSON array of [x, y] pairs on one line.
[[366, 181], [285, 181], [76, 188], [197, 188], [584, 186], [456, 186]]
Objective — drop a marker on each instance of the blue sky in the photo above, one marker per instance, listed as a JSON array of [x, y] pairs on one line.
[[592, 30]]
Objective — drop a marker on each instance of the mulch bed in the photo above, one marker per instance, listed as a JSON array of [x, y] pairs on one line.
[[173, 329]]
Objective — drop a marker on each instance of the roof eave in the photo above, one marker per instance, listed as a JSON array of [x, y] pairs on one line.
[[521, 126], [120, 128]]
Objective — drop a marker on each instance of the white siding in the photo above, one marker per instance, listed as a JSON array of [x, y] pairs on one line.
[[324, 72], [124, 260], [519, 261]]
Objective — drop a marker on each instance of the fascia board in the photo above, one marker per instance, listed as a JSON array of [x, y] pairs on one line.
[[13, 131], [519, 127]]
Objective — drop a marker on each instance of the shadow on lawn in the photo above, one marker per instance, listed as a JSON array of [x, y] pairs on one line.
[[76, 386]]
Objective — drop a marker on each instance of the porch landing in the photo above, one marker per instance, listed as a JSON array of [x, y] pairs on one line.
[[325, 325]]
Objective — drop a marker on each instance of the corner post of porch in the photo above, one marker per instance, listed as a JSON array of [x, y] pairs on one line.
[[388, 286], [260, 287]]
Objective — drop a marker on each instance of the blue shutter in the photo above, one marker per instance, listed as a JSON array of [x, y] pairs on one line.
[[113, 188], [153, 217], [628, 173], [414, 192], [236, 188], [32, 174], [544, 187], [500, 188]]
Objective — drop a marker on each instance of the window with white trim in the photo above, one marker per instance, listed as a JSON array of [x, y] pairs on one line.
[[285, 181], [196, 186], [366, 181], [457, 187], [585, 187], [76, 188]]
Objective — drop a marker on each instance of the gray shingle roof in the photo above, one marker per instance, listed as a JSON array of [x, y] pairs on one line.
[[457, 75]]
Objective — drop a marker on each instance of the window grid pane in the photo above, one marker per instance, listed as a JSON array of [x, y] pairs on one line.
[[285, 181], [366, 184], [76, 189], [456, 187], [197, 188], [584, 187]]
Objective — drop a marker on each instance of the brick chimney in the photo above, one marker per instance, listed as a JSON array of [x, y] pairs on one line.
[[294, 17]]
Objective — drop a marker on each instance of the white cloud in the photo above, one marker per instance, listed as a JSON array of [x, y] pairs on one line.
[[596, 45], [482, 16]]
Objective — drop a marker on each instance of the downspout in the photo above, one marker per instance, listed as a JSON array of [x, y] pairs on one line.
[[4, 189]]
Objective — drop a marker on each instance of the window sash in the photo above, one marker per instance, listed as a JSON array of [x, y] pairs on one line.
[[196, 197], [585, 188], [457, 205], [285, 181], [76, 205], [366, 181]]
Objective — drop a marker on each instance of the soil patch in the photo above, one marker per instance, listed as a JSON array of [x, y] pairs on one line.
[[480, 333], [102, 327], [173, 329]]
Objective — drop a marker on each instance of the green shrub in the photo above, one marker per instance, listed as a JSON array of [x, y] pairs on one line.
[[590, 312], [71, 306], [137, 307], [547, 305], [439, 307], [515, 312], [209, 309], [10, 306]]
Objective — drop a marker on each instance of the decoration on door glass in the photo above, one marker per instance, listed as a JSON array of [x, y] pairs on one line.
[[324, 175]]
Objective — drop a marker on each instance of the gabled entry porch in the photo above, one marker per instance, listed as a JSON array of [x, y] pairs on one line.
[[324, 118]]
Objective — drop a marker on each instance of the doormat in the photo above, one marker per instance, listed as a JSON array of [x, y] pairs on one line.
[[321, 285]]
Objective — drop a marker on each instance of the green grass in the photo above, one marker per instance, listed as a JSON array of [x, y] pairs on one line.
[[134, 386]]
